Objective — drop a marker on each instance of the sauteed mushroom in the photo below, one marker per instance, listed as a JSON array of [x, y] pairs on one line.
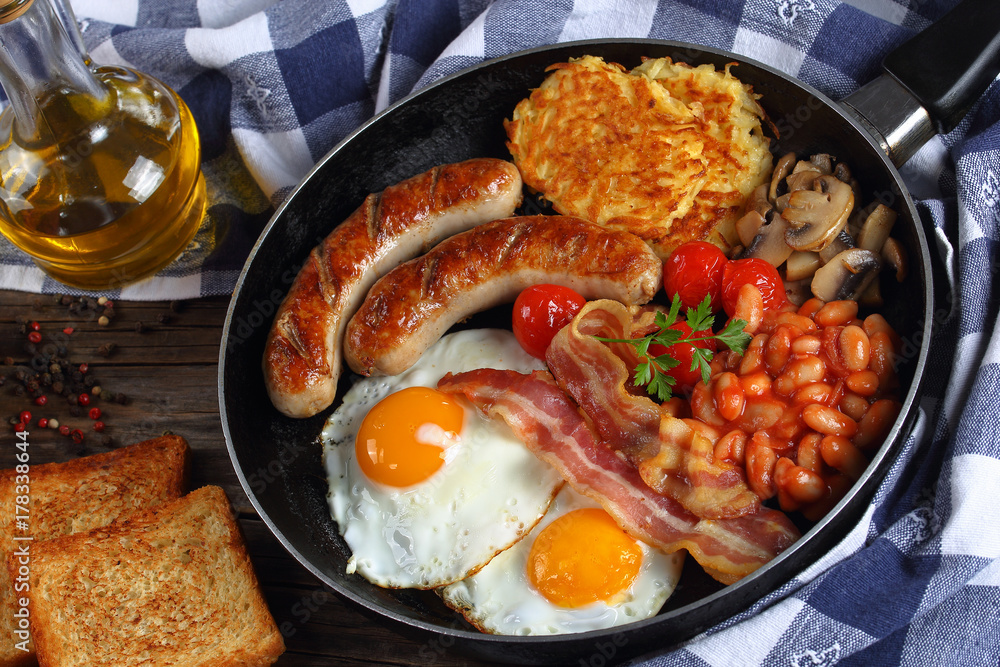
[[781, 170], [801, 264], [802, 180], [876, 228], [843, 241], [805, 223], [816, 216], [769, 242], [895, 257], [748, 226], [759, 201], [847, 276]]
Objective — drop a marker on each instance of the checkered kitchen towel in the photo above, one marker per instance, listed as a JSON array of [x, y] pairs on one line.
[[918, 581]]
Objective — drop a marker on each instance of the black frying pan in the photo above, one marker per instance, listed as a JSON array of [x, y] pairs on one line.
[[278, 459]]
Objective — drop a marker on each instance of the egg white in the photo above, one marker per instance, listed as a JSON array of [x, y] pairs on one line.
[[500, 599], [490, 491]]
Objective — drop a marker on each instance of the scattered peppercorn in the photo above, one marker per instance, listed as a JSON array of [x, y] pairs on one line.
[[35, 337], [106, 349], [41, 400], [103, 321], [25, 416], [43, 422], [77, 435], [83, 399], [63, 429], [98, 426], [95, 413]]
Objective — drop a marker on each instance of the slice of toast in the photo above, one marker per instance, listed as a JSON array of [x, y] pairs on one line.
[[172, 585], [77, 495]]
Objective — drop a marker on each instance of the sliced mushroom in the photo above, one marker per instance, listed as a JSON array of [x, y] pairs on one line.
[[769, 242], [801, 265], [847, 276], [781, 170], [781, 203], [804, 165], [802, 180], [758, 201], [843, 172], [816, 216], [872, 296], [823, 162], [876, 228], [747, 226], [842, 242], [894, 255], [798, 291]]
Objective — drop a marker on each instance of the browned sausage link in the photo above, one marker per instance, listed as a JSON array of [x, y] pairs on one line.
[[413, 305], [302, 355]]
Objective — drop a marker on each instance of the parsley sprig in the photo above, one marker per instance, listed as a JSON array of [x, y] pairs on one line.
[[651, 372]]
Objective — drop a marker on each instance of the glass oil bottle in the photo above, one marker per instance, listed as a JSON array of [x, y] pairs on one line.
[[100, 178]]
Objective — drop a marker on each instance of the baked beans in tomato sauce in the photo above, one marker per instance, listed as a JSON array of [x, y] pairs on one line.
[[804, 407]]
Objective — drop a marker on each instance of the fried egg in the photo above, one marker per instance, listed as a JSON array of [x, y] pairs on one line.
[[576, 571], [424, 488]]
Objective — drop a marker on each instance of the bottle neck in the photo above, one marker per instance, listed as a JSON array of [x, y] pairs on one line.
[[38, 59]]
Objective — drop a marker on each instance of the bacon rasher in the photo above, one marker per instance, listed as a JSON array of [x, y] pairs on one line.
[[671, 457], [550, 425]]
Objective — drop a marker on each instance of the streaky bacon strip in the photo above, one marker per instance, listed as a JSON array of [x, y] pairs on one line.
[[671, 457], [549, 424]]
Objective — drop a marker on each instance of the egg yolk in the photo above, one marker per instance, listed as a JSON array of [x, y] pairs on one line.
[[401, 440], [583, 557]]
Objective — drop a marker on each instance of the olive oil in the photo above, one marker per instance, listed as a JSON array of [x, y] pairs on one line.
[[100, 178], [105, 198]]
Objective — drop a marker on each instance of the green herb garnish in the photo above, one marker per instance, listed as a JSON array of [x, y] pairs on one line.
[[651, 372]]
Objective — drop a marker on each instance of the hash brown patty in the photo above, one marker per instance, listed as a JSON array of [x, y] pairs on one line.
[[667, 151]]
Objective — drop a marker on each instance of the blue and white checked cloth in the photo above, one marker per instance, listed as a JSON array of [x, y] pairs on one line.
[[275, 84]]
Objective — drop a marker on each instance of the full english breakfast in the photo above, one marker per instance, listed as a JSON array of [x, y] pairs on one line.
[[715, 418]]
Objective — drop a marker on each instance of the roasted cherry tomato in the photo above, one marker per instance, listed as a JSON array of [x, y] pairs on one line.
[[540, 311], [685, 378], [757, 272], [693, 270]]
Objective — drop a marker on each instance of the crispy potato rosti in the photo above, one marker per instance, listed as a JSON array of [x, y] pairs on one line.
[[666, 151]]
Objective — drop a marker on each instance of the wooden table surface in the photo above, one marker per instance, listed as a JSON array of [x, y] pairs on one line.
[[164, 360]]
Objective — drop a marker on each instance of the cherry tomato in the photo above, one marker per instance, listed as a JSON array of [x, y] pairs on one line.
[[757, 272], [540, 311], [693, 270], [685, 378]]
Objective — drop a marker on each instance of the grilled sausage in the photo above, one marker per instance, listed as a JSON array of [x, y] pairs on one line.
[[410, 307], [302, 355]]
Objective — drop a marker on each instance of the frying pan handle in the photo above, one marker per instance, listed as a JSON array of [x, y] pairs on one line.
[[949, 65], [931, 81]]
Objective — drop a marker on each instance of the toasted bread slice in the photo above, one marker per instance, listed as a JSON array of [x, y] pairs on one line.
[[77, 495], [170, 586]]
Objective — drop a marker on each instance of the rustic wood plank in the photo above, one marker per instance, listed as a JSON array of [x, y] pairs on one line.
[[167, 367]]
